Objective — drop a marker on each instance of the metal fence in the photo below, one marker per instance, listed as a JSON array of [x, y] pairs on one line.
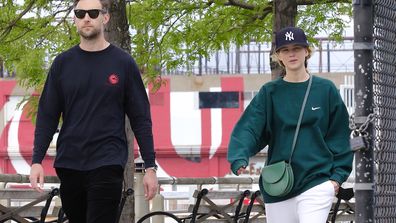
[[254, 58], [384, 77]]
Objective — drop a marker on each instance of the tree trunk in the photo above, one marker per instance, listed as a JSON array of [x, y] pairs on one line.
[[117, 30], [117, 33], [285, 13], [128, 212]]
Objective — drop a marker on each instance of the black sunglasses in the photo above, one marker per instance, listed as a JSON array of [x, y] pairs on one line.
[[93, 13]]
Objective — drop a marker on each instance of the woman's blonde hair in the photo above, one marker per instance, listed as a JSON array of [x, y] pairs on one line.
[[275, 58]]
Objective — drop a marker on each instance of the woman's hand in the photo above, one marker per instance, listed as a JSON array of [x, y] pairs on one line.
[[241, 170], [336, 186]]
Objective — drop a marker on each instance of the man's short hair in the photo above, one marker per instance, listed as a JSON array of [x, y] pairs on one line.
[[105, 4]]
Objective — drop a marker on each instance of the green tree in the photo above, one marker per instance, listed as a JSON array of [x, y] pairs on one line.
[[174, 33], [165, 34], [31, 34]]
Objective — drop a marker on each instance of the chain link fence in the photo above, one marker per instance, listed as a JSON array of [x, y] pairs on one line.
[[384, 75]]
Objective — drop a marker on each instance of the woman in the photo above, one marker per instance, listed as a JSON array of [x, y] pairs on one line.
[[322, 158]]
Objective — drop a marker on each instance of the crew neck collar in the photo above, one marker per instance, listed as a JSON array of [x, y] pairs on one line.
[[296, 83], [97, 51]]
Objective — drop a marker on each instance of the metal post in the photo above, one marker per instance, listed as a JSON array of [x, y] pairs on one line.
[[188, 68], [248, 58], [3, 202], [200, 65], [328, 57], [1, 68], [258, 59], [141, 204], [158, 205], [206, 66], [264, 56], [238, 60], [364, 159], [228, 61], [232, 64], [217, 62], [320, 56]]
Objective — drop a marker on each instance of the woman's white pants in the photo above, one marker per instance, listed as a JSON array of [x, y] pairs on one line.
[[312, 206]]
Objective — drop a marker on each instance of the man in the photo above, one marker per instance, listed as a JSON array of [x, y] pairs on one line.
[[92, 86]]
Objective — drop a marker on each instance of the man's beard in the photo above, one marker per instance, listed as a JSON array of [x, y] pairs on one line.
[[89, 35]]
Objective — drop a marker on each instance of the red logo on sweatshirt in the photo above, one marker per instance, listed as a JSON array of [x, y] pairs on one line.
[[113, 79]]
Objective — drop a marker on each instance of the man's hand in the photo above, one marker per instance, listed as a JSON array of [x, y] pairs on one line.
[[37, 177], [150, 183]]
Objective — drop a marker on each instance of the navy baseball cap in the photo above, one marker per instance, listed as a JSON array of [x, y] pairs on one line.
[[290, 35]]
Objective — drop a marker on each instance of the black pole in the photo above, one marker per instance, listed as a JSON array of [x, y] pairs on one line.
[[364, 159]]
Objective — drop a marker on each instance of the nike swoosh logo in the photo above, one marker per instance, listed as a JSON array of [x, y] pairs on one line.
[[315, 108]]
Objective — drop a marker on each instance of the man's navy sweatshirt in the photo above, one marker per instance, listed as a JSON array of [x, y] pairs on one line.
[[92, 92]]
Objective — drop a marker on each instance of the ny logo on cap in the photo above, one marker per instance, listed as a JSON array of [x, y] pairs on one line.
[[289, 36]]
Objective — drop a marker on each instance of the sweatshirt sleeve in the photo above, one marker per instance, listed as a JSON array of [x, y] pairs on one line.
[[48, 114], [138, 111], [337, 138], [248, 136]]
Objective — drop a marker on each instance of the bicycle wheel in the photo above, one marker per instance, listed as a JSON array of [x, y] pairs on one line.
[[149, 215]]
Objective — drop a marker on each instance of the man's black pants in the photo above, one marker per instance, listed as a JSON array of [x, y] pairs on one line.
[[91, 196]]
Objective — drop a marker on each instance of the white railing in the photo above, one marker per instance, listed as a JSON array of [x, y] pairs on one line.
[[347, 93]]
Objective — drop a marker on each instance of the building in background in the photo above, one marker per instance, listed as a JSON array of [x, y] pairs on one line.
[[193, 117]]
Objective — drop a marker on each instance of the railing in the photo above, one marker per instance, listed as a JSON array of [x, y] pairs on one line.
[[254, 58], [159, 201], [347, 92], [238, 183]]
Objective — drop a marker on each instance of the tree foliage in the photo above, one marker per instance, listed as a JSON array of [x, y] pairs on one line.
[[165, 34], [172, 33], [32, 32]]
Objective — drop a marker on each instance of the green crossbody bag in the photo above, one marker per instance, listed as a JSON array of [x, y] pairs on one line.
[[278, 178]]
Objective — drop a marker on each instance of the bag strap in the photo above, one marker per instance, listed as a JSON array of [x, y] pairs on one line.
[[300, 118]]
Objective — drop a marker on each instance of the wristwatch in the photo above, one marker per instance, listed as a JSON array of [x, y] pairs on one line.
[[155, 168]]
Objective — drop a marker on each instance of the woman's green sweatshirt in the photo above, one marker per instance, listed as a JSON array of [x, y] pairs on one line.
[[322, 150]]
